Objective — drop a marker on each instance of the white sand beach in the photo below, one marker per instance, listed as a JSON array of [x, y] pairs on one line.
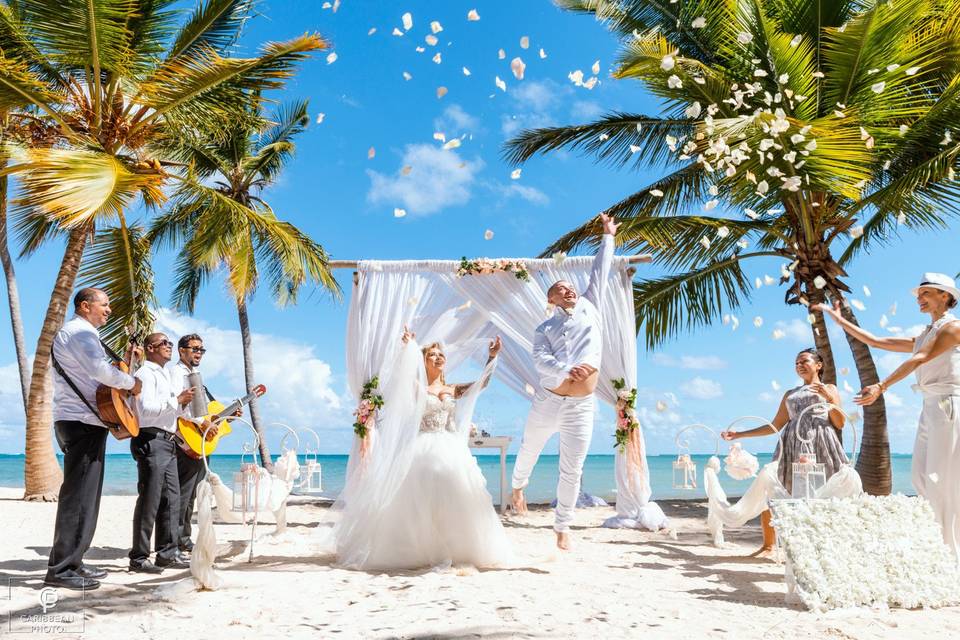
[[614, 584]]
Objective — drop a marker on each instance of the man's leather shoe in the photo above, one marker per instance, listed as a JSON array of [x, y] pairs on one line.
[[89, 571], [145, 567], [70, 580], [176, 562]]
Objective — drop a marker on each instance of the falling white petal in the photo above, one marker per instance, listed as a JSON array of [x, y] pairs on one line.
[[710, 205], [656, 193], [705, 242], [435, 27], [501, 54], [371, 153], [778, 334], [674, 82], [437, 135], [744, 38], [332, 57], [500, 83], [518, 67], [819, 282], [699, 22], [397, 32], [634, 148], [912, 71], [406, 75], [723, 232], [667, 63], [466, 71], [320, 117], [757, 283], [431, 40], [662, 406], [441, 91], [758, 322], [399, 213], [488, 235], [884, 321], [543, 54], [734, 323], [878, 87], [559, 257], [796, 41], [847, 387], [372, 31], [856, 304], [515, 174], [437, 58], [407, 20], [769, 280], [693, 111], [595, 69], [576, 77], [452, 144], [472, 15], [524, 42]]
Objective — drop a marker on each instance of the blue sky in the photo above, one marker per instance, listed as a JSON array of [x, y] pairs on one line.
[[344, 199]]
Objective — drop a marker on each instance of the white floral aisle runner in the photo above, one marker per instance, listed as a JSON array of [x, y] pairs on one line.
[[847, 552]]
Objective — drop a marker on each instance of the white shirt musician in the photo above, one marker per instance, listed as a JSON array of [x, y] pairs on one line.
[[566, 351], [81, 361]]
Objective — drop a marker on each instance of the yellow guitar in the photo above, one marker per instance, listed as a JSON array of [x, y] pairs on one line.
[[191, 435]]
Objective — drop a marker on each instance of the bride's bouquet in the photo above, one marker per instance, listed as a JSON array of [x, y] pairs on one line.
[[740, 464]]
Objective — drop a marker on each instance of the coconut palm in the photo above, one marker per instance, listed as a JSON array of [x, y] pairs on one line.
[[820, 128], [112, 77], [229, 228]]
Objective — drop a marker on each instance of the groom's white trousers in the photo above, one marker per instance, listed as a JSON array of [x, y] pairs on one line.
[[573, 418]]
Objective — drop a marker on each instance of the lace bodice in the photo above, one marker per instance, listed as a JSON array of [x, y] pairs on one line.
[[439, 415]]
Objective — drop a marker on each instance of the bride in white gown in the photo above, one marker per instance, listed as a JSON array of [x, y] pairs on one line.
[[419, 499]]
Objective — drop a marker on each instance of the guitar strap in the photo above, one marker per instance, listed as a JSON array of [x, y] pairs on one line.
[[66, 378]]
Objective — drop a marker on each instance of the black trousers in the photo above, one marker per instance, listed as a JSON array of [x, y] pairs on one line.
[[83, 447], [158, 496], [191, 471]]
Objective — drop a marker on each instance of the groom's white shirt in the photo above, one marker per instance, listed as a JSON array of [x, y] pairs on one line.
[[574, 336]]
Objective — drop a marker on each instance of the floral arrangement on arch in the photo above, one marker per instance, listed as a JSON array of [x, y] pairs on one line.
[[370, 403], [626, 413], [482, 266]]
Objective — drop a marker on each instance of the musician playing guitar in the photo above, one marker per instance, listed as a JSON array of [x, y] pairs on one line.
[[81, 366], [158, 407], [190, 467]]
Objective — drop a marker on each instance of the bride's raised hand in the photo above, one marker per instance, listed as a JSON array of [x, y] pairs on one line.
[[495, 346], [407, 335]]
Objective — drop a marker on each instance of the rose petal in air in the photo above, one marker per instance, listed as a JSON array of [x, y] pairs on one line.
[[472, 15], [399, 213], [518, 67], [515, 174], [441, 91], [524, 42], [331, 57], [500, 83], [407, 20], [488, 235]]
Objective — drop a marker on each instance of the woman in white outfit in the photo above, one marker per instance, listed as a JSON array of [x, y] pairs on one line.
[[420, 500], [936, 361]]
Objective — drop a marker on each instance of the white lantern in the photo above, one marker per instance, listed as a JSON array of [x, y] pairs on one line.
[[684, 472], [808, 476], [245, 488]]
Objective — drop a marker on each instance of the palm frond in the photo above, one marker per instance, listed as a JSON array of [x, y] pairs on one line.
[[108, 262], [214, 25], [275, 147], [292, 259], [188, 280], [608, 139], [669, 305]]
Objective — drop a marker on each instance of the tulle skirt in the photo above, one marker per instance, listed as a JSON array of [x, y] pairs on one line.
[[441, 515]]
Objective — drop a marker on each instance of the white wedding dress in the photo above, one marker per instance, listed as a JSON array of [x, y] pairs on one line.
[[420, 500]]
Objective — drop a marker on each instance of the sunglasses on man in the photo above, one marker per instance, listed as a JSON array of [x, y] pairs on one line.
[[199, 350], [162, 343]]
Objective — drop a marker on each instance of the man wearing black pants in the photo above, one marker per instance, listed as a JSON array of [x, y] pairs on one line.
[[155, 450], [81, 366]]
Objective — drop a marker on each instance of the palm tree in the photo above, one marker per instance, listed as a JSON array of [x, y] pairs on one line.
[[113, 77], [821, 127], [230, 228], [13, 296]]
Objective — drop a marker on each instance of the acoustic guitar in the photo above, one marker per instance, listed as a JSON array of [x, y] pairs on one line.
[[115, 406], [191, 434]]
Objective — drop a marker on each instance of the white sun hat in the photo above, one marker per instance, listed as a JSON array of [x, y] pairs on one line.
[[939, 281]]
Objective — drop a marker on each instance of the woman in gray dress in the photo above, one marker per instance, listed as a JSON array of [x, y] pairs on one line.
[[820, 429]]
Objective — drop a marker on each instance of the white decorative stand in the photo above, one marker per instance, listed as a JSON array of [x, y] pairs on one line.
[[501, 443]]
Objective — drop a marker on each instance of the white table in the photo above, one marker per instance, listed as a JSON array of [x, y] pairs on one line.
[[497, 442]]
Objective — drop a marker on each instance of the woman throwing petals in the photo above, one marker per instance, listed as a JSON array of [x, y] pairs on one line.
[[936, 362]]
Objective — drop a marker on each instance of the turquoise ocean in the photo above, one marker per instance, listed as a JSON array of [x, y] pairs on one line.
[[598, 475]]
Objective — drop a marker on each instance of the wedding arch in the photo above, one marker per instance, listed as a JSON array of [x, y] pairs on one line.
[[461, 303]]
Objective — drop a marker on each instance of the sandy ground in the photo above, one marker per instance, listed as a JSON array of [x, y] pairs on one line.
[[614, 584]]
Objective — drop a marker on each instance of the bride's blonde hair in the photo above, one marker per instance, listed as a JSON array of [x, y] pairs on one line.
[[438, 347]]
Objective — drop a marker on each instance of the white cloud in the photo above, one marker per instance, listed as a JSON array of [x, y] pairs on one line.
[[702, 389], [690, 362], [533, 104], [299, 385], [438, 179], [455, 121], [585, 110], [890, 361], [524, 192]]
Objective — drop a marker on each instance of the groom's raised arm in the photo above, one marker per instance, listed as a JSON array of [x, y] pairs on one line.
[[551, 371], [601, 264]]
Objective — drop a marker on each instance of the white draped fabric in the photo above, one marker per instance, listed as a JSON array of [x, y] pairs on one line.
[[438, 305]]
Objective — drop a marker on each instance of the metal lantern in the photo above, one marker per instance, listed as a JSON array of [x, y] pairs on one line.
[[684, 468], [311, 477], [245, 481], [684, 472], [808, 476]]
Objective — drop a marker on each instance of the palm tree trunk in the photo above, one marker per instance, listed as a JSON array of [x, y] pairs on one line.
[[42, 474], [13, 298], [873, 463], [820, 338], [265, 458]]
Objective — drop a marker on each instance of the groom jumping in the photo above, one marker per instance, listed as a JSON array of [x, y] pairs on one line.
[[566, 351]]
